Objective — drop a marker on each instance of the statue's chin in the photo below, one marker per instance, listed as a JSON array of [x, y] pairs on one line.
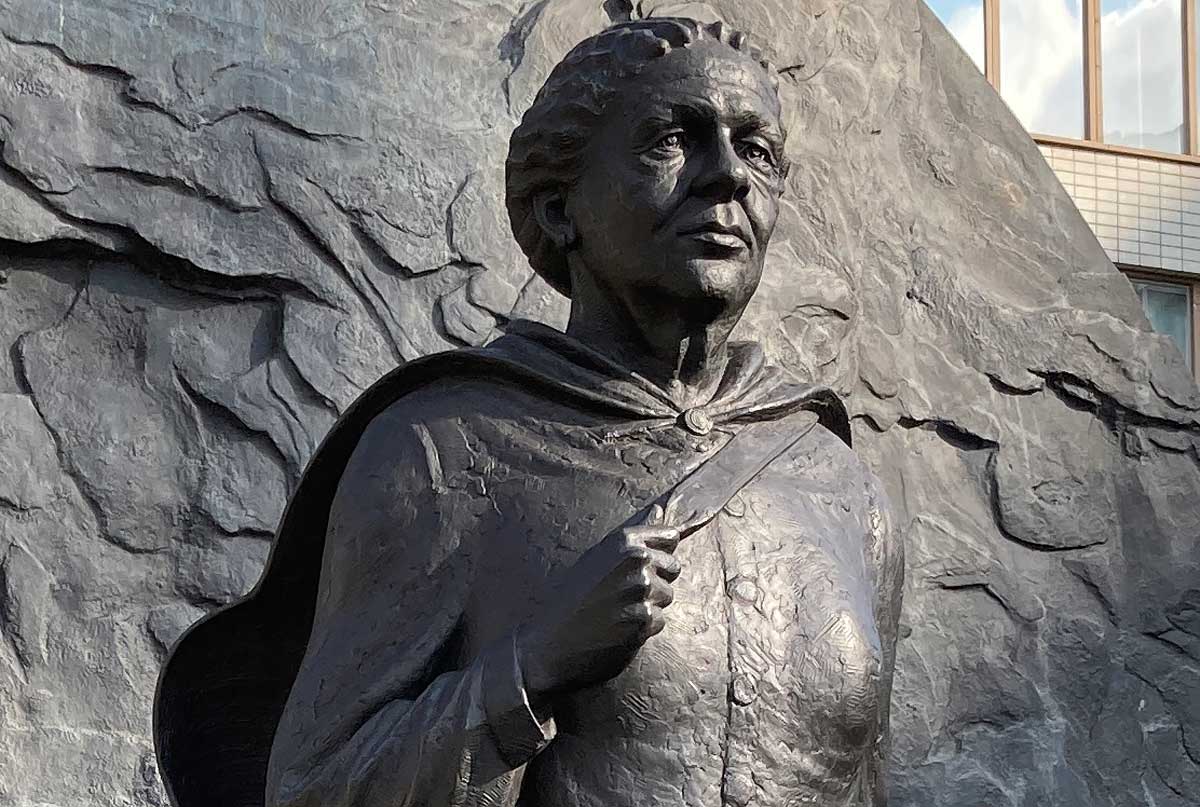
[[719, 286]]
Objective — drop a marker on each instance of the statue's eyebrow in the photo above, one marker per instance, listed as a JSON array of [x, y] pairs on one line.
[[651, 122], [743, 122], [678, 114]]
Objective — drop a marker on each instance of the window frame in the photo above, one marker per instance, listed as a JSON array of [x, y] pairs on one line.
[[1175, 280], [1093, 95]]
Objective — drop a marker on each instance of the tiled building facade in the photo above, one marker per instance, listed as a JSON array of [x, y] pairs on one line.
[[1109, 90], [1146, 212]]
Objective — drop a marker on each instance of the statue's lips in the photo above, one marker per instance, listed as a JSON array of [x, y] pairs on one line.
[[721, 235]]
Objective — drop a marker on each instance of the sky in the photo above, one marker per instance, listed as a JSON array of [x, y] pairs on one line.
[[1041, 64], [964, 18]]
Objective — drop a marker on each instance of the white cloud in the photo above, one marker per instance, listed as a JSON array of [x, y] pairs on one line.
[[1041, 64], [1142, 56]]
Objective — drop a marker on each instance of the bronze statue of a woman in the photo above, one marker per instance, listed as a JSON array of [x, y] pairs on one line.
[[626, 565]]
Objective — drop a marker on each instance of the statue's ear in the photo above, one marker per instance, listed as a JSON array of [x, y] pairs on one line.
[[550, 210]]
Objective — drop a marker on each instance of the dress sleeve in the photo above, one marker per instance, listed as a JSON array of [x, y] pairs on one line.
[[384, 711], [886, 549]]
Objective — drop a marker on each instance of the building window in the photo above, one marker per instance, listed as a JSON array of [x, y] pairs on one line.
[[1168, 306], [1121, 74], [1041, 64], [964, 19], [1141, 45]]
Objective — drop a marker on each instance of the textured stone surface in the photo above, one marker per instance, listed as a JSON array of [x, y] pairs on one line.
[[219, 222]]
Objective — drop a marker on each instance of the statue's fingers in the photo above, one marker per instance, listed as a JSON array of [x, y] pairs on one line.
[[654, 516], [666, 565], [664, 539], [661, 594]]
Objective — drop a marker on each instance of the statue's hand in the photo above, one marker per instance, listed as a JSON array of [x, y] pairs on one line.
[[601, 611]]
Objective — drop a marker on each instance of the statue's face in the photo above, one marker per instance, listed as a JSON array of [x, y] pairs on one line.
[[681, 184]]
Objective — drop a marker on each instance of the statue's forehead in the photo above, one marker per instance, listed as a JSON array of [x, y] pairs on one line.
[[693, 75]]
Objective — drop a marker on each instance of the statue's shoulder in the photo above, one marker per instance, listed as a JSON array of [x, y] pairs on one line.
[[859, 474], [427, 396], [451, 386], [827, 457], [865, 493]]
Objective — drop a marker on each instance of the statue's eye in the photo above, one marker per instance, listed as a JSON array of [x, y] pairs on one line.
[[757, 154], [670, 143]]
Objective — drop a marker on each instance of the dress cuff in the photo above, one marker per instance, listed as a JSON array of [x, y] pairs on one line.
[[515, 730]]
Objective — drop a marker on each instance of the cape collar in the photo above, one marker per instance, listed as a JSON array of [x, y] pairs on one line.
[[751, 389]]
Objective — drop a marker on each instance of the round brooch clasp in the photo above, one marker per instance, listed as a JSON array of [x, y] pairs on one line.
[[698, 422]]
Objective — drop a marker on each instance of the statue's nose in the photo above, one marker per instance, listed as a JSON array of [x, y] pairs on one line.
[[726, 177]]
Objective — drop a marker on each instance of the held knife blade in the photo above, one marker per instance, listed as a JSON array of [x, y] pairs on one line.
[[697, 499]]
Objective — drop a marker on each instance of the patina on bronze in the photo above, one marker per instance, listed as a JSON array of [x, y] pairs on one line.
[[630, 564]]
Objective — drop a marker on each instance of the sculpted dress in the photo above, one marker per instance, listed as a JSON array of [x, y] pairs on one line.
[[463, 483], [463, 498]]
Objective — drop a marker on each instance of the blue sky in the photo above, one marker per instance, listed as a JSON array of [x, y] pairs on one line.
[[944, 8], [964, 18]]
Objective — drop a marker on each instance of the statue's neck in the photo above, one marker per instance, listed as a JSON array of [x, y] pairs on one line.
[[686, 356]]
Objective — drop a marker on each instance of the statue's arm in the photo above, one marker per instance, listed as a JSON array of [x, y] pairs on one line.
[[383, 711], [887, 553]]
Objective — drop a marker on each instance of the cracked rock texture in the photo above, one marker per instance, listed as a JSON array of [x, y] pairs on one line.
[[221, 221]]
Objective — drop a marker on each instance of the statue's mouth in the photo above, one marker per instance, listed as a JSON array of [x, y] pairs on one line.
[[730, 236]]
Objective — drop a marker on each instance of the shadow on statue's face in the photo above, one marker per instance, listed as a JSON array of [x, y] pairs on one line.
[[681, 185]]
